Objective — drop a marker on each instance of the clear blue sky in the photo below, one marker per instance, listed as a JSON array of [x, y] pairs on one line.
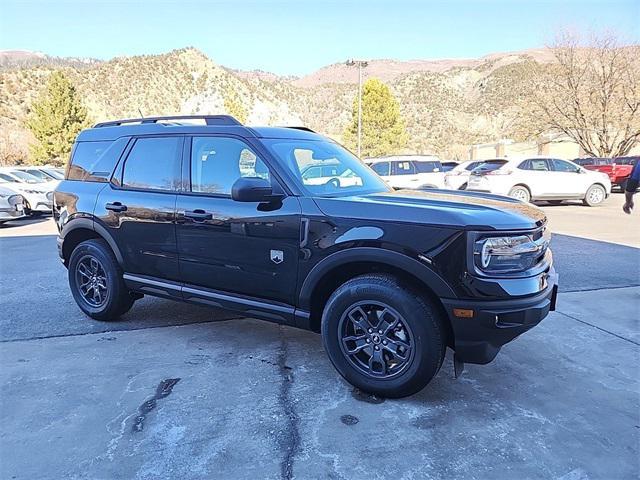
[[297, 37]]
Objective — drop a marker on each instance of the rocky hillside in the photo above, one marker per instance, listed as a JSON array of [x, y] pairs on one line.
[[448, 104]]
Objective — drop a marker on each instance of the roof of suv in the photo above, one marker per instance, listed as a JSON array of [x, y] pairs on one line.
[[112, 130]]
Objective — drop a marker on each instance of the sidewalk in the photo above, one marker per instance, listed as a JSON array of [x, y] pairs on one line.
[[248, 399]]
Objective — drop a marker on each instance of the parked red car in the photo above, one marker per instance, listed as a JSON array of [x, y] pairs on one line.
[[618, 168]]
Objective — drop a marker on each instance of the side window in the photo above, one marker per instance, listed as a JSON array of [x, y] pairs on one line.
[[562, 166], [472, 165], [526, 165], [427, 167], [153, 164], [538, 164], [217, 162], [89, 162], [381, 168], [403, 168]]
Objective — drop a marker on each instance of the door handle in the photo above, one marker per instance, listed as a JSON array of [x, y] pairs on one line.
[[116, 207], [198, 215]]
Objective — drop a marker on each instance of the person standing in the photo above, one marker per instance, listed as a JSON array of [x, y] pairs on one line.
[[631, 187]]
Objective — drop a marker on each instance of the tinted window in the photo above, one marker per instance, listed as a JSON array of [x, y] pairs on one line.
[[489, 166], [381, 168], [153, 164], [427, 167], [9, 178], [534, 164], [217, 162], [88, 163], [473, 165], [562, 166], [403, 168]]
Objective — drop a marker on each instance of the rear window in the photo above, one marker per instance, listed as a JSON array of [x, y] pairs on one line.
[[89, 163], [490, 166]]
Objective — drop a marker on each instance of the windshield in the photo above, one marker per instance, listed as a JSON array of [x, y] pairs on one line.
[[57, 174], [489, 166], [25, 177], [325, 168]]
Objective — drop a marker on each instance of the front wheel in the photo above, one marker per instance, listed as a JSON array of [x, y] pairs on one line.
[[96, 282], [595, 196], [382, 337]]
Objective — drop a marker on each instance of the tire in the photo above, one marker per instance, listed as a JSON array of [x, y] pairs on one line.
[[520, 192], [111, 301], [463, 186], [595, 195], [404, 318], [27, 208]]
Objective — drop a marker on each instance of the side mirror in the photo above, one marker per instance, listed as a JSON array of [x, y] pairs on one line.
[[252, 189]]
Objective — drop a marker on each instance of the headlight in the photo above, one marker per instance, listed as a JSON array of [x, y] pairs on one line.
[[510, 253], [49, 196]]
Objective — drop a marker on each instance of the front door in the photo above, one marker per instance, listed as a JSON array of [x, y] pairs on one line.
[[244, 248]]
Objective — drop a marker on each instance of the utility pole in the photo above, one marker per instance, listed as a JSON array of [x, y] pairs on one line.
[[360, 64]]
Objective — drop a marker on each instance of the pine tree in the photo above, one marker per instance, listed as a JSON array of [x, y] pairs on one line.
[[383, 129], [56, 117]]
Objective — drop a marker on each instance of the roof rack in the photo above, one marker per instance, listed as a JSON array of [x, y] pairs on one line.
[[209, 120]]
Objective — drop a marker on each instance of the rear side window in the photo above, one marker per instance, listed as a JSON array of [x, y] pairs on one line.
[[89, 162], [153, 164], [428, 167]]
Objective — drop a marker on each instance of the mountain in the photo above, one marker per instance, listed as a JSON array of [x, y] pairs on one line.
[[448, 104]]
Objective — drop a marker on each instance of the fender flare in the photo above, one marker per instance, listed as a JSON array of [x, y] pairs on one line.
[[88, 223], [377, 255]]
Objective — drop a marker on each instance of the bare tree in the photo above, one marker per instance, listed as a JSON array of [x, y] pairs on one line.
[[592, 94]]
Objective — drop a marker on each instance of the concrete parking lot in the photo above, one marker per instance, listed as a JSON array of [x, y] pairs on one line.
[[179, 391]]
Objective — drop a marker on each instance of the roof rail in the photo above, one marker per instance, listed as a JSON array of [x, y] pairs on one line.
[[209, 120]]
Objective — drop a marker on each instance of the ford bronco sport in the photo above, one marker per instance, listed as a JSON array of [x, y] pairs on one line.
[[219, 214]]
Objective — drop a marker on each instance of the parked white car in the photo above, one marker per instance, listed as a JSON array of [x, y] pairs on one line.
[[322, 173], [549, 179], [38, 196], [458, 178], [11, 203], [44, 174], [409, 171]]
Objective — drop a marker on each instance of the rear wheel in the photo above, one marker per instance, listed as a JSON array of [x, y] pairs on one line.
[[96, 282], [520, 192], [595, 196], [382, 337], [463, 186]]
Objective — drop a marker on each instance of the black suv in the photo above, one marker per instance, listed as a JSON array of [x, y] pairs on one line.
[[219, 214]]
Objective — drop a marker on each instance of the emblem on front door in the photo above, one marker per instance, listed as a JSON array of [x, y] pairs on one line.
[[277, 256]]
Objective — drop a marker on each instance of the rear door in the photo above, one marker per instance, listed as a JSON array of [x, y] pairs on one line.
[[244, 248], [138, 206]]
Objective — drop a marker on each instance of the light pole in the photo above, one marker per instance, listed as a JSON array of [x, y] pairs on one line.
[[361, 64]]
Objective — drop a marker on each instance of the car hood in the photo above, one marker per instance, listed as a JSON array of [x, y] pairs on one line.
[[460, 209]]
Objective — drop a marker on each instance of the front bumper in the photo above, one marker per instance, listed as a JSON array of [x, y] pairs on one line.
[[495, 323]]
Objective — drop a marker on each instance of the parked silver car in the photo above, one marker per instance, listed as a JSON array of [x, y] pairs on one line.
[[11, 203]]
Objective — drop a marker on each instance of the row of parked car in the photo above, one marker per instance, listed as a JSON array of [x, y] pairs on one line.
[[529, 179], [27, 190]]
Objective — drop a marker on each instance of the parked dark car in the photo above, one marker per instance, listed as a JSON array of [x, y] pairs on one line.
[[219, 214]]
